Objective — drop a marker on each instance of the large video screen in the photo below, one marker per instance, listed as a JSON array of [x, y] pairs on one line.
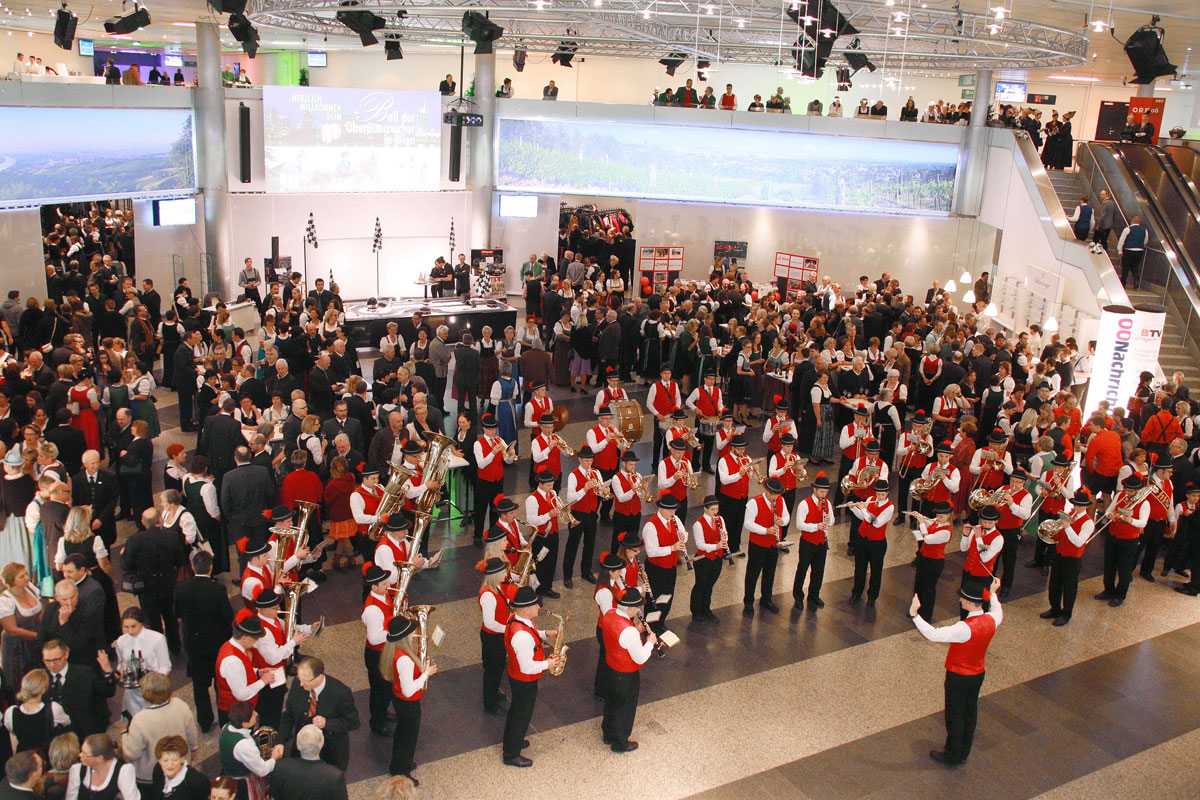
[[724, 165], [351, 140], [65, 153]]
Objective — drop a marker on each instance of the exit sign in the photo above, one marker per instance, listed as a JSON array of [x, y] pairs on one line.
[[1041, 99]]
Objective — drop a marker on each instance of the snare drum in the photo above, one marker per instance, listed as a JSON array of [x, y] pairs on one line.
[[627, 418], [708, 426]]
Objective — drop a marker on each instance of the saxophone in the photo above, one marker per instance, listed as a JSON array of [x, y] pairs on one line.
[[393, 496], [560, 645]]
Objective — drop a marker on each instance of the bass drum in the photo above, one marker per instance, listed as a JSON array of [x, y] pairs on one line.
[[627, 417]]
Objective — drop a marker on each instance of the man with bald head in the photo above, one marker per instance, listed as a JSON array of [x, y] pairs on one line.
[[97, 488], [386, 445], [59, 621]]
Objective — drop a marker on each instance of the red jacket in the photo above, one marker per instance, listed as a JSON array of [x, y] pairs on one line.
[[337, 497]]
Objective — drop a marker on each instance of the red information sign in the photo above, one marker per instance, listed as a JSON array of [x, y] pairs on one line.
[[796, 269]]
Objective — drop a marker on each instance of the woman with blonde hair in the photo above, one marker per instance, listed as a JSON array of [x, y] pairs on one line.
[[32, 723], [401, 664], [20, 613], [401, 787], [309, 441], [62, 754]]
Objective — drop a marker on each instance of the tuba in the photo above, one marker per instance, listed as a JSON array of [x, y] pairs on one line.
[[400, 600], [420, 615], [287, 539], [434, 468], [393, 496], [560, 645], [307, 509], [291, 608]]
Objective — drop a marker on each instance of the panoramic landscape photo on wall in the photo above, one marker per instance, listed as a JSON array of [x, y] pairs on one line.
[[725, 165]]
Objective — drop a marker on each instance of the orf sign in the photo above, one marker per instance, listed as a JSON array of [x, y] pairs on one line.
[[1127, 343]]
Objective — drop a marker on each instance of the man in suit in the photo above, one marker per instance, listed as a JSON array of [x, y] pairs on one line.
[[386, 444], [152, 301], [56, 393], [97, 488], [446, 87], [222, 434], [340, 448], [246, 492], [142, 341], [22, 777], [320, 388], [341, 422], [439, 358], [81, 691], [282, 381], [70, 441], [307, 777], [466, 373], [183, 378], [93, 600], [152, 558], [59, 622], [291, 424], [324, 702], [202, 605]]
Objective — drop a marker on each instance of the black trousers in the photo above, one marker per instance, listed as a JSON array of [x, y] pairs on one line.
[[1193, 563], [158, 604], [838, 496], [380, 693], [662, 583], [620, 706], [810, 557], [789, 502], [586, 529], [1178, 549], [733, 511], [548, 566], [962, 711], [929, 570], [854, 537], [520, 712], [485, 493], [904, 501], [1064, 583], [760, 561], [623, 523], [404, 740], [1008, 556], [702, 455], [657, 453], [1042, 554], [494, 660], [1150, 541], [270, 705], [600, 685], [186, 401], [200, 697], [1131, 264], [606, 505], [1120, 556], [868, 553], [708, 570]]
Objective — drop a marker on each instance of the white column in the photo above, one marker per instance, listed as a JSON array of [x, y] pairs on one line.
[[983, 96], [482, 177], [1195, 118], [1146, 90], [210, 155], [972, 159]]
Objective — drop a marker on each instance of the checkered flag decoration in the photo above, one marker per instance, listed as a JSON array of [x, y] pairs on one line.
[[452, 236], [375, 248], [310, 233]]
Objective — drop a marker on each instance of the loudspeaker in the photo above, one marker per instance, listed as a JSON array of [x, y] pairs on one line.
[[1147, 56], [129, 23], [274, 270], [64, 29], [455, 151], [228, 6], [244, 140]]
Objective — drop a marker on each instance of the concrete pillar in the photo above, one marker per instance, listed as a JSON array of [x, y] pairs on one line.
[[1146, 90], [1194, 121], [972, 159], [482, 176], [210, 156], [983, 96]]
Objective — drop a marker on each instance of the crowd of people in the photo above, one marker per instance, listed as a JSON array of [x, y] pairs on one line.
[[688, 96]]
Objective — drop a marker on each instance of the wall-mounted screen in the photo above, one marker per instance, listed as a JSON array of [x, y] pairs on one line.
[[1010, 92], [174, 212], [142, 151], [518, 205], [172, 61], [351, 140], [317, 59], [87, 47], [724, 165]]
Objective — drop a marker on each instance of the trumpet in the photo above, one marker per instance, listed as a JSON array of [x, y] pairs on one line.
[[642, 486], [615, 435], [751, 466], [691, 480], [602, 487], [991, 460], [797, 464], [691, 438], [557, 441], [500, 448], [563, 512]]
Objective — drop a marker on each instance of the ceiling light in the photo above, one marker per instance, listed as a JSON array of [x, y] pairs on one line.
[[951, 286], [1051, 324], [1098, 25], [965, 277], [999, 11], [991, 310], [741, 23], [1073, 78], [969, 296], [646, 14]]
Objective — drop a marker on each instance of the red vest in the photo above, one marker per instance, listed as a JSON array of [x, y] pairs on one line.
[[370, 503], [724, 437], [976, 566], [631, 507], [383, 605], [966, 658], [1063, 545], [612, 625], [494, 471], [913, 459], [416, 673], [1158, 512], [612, 395], [250, 662], [939, 493], [679, 489], [765, 515], [874, 533], [1008, 520], [779, 425], [857, 467], [544, 504], [512, 543], [813, 514], [399, 551], [935, 550], [500, 617], [596, 596], [679, 433], [410, 504], [514, 664], [632, 573], [553, 460], [788, 477], [708, 404], [739, 489], [858, 448], [275, 631], [1123, 530], [606, 458], [929, 366], [710, 531], [664, 398], [541, 406], [589, 502], [993, 478], [665, 535], [265, 578]]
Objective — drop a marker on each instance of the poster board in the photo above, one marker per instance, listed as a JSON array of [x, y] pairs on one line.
[[1148, 109], [658, 264], [728, 250], [793, 269]]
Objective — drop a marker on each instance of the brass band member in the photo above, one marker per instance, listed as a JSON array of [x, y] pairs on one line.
[[547, 458], [1120, 546], [1162, 513], [946, 482], [661, 402], [601, 438], [491, 454], [814, 517], [1187, 538], [982, 543], [725, 434], [393, 548], [1069, 545], [665, 539], [541, 511], [679, 431], [1052, 485], [526, 663], [504, 539], [870, 460], [705, 400], [625, 653], [874, 516], [991, 465], [712, 543], [239, 753], [932, 534], [608, 589], [400, 664], [733, 487], [766, 517], [853, 441], [493, 605], [584, 502], [910, 463], [781, 465], [627, 505], [240, 670], [674, 474], [1015, 509], [275, 650], [611, 392], [376, 614]]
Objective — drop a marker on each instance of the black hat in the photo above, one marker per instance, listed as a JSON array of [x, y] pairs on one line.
[[494, 565], [537, 385], [709, 373], [1061, 461], [942, 508], [973, 593], [369, 471], [774, 486], [257, 548], [490, 421], [780, 404], [545, 476], [612, 561], [280, 513], [524, 598], [1162, 463], [604, 411], [250, 626], [504, 504], [945, 447], [821, 482], [1134, 481], [629, 455], [585, 452], [374, 574], [1190, 488], [919, 418], [787, 438], [861, 411], [678, 444], [710, 500], [996, 436], [400, 627], [546, 419], [630, 539], [611, 373], [397, 522], [1081, 498], [882, 485], [989, 512], [494, 534], [630, 597], [268, 599], [411, 448], [872, 445], [738, 440], [726, 415], [679, 413], [668, 501], [1019, 472]]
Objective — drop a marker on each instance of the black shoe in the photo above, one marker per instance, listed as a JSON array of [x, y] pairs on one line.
[[567, 582], [709, 471], [1116, 602], [209, 726], [855, 597], [388, 729], [553, 595], [1189, 591], [1051, 614], [748, 609], [1046, 570], [416, 782], [1165, 572], [1105, 595], [870, 602], [518, 761], [940, 757], [769, 605], [1033, 564], [1147, 576], [1059, 622], [710, 616], [628, 747], [495, 711], [818, 603], [590, 578], [1004, 592]]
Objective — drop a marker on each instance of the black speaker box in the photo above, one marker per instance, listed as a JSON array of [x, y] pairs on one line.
[[64, 29], [244, 140], [129, 23], [455, 151]]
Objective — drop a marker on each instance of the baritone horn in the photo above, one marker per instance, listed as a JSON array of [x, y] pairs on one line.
[[393, 496]]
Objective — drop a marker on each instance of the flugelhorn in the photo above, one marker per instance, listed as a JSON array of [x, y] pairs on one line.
[[561, 444]]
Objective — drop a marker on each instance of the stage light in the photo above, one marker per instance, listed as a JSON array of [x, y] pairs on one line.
[[858, 61], [702, 68], [820, 28], [565, 52], [1145, 51], [65, 23], [364, 23], [245, 33], [672, 62], [481, 30], [128, 23], [392, 48], [228, 6], [519, 56]]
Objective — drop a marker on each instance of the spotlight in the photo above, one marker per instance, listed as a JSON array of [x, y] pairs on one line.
[[392, 48], [1146, 54], [128, 23], [519, 56], [65, 23], [228, 6], [565, 52], [820, 28], [364, 23], [481, 30], [858, 61], [702, 67], [672, 62], [843, 79], [245, 33]]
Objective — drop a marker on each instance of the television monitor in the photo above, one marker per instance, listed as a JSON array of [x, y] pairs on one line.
[[518, 205], [87, 47], [1010, 92], [318, 59], [172, 61], [174, 212]]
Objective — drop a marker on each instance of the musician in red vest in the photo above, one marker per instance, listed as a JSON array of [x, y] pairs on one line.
[[625, 653], [602, 439], [364, 507], [542, 512], [257, 577], [392, 549], [526, 662], [946, 479], [674, 473], [778, 425], [874, 516], [767, 516], [782, 465], [545, 455], [504, 539], [990, 466], [1069, 545], [705, 401], [627, 505], [493, 606], [870, 460], [611, 393], [275, 648], [376, 614], [1121, 544], [661, 402], [932, 534], [982, 543], [853, 441], [608, 589], [965, 662], [725, 434], [1162, 513], [814, 518], [733, 487], [910, 463], [1051, 484], [584, 501], [409, 674], [240, 670], [665, 539], [539, 405], [1015, 509], [1186, 552], [679, 431], [417, 485], [491, 454], [712, 547]]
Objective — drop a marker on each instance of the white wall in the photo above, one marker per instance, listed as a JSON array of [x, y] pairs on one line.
[[43, 47], [156, 246], [24, 262]]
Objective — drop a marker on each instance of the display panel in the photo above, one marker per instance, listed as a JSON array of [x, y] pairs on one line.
[[172, 61], [351, 140], [724, 165], [1010, 92], [87, 47], [141, 151], [518, 205], [317, 59], [175, 212]]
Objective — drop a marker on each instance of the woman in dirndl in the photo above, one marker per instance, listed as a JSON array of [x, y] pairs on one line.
[[505, 397], [562, 349], [489, 363], [20, 613], [819, 427], [652, 347], [142, 398]]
